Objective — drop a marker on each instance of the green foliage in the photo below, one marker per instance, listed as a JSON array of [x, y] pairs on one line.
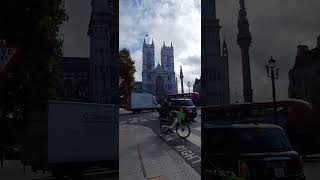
[[32, 26], [127, 70]]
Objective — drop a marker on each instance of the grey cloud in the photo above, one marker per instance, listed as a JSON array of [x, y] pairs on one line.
[[74, 32]]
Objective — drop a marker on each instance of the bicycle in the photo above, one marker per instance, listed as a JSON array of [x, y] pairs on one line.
[[182, 128]]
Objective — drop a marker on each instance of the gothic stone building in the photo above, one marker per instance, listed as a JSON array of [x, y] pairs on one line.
[[214, 61], [95, 79], [159, 80], [304, 77]]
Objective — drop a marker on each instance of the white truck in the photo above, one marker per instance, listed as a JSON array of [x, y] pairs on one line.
[[137, 102], [73, 137]]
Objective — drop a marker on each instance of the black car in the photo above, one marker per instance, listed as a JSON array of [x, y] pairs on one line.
[[260, 151], [185, 104]]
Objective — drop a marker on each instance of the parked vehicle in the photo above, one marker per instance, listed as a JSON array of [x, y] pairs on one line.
[[300, 120], [252, 151], [70, 137], [185, 104], [137, 102], [194, 96]]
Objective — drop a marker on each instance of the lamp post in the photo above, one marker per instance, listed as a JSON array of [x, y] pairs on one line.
[[189, 85], [273, 74]]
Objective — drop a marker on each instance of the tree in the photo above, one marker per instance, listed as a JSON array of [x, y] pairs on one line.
[[33, 27], [127, 70]]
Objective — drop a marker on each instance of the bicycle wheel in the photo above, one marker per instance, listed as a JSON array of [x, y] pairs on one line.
[[183, 131], [163, 127]]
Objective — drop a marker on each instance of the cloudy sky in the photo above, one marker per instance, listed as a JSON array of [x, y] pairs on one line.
[[277, 28]]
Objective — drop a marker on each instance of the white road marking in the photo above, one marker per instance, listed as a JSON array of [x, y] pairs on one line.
[[188, 154], [195, 139]]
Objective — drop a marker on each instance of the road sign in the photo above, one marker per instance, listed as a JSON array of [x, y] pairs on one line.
[[6, 54]]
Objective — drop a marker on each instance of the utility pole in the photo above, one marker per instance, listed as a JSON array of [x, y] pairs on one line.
[[181, 79]]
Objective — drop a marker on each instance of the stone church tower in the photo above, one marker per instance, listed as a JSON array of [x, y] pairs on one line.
[[158, 80], [148, 66], [104, 50], [214, 66]]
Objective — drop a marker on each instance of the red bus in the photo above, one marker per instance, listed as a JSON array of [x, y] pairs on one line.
[[299, 118], [194, 96]]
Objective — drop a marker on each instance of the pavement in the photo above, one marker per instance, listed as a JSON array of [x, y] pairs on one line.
[[143, 155], [189, 149]]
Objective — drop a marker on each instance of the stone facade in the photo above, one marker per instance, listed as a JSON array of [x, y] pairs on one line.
[[304, 77], [214, 62], [138, 87], [95, 79], [74, 80], [159, 80]]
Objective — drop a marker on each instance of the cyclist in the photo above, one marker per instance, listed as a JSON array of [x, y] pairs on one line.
[[166, 109]]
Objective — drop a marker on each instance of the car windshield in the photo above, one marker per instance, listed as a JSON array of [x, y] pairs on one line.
[[184, 102], [246, 140]]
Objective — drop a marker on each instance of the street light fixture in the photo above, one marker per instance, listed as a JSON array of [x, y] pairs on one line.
[[189, 85], [273, 75]]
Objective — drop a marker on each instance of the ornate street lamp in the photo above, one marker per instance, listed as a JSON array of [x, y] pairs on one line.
[[273, 74], [189, 85]]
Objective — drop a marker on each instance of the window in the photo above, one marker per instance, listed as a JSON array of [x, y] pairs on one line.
[[169, 78], [110, 3], [149, 78]]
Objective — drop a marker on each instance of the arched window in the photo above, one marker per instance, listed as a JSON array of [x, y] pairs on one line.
[[148, 57]]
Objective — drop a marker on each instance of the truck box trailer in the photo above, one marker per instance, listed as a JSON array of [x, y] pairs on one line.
[[67, 136], [137, 102]]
